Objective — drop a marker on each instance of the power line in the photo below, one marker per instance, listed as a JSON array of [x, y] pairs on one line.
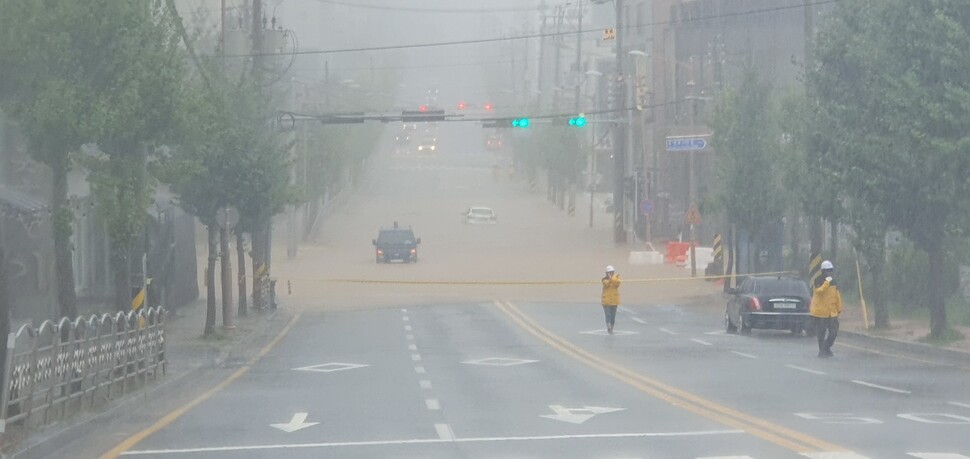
[[537, 35], [405, 9]]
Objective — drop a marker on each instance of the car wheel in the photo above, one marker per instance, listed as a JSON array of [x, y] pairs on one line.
[[744, 328], [728, 326]]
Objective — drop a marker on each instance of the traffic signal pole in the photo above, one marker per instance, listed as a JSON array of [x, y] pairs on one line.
[[619, 132]]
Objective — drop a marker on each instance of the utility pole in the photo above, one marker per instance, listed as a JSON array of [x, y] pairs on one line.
[[541, 65], [579, 54], [815, 229], [619, 133]]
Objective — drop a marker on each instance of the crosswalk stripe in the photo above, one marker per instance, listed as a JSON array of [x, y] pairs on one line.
[[938, 455]]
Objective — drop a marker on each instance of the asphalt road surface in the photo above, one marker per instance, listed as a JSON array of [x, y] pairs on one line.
[[527, 371]]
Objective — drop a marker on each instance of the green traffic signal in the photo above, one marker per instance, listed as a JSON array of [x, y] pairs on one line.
[[578, 121], [520, 122]]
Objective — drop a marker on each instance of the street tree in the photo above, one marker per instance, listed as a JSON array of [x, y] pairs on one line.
[[892, 84], [749, 167]]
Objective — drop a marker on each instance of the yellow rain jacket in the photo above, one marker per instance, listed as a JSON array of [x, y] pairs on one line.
[[611, 290], [827, 301]]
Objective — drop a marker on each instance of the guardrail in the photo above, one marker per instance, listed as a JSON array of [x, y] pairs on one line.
[[60, 367]]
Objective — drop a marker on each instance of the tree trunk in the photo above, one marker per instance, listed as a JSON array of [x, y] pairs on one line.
[[934, 294], [241, 263], [210, 280], [877, 294], [119, 272], [63, 220], [835, 241], [225, 269], [4, 305], [258, 253]]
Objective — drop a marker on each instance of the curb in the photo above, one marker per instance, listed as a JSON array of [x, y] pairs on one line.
[[923, 350]]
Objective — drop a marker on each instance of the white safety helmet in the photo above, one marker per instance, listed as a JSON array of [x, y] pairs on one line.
[[609, 269], [827, 265]]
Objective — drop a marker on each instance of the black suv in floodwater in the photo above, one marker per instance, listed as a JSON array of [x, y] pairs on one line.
[[396, 244]]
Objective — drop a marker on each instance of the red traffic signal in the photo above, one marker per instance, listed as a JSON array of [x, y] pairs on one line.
[[461, 105], [488, 106], [423, 108]]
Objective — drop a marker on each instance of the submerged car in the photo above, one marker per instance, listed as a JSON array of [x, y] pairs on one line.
[[774, 303], [396, 244], [479, 215]]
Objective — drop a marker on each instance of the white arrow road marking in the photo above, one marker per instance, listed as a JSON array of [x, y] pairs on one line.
[[444, 432], [577, 415], [296, 423]]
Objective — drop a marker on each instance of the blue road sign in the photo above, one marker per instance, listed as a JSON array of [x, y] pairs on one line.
[[686, 143], [646, 207]]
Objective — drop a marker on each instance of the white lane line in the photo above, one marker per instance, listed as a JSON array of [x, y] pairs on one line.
[[744, 354], [885, 388], [726, 457], [627, 310], [407, 328], [806, 370], [405, 318], [834, 455], [412, 347], [416, 357], [409, 337], [421, 441], [445, 432], [639, 320], [432, 404], [715, 333], [425, 384], [700, 341], [961, 405], [669, 332], [404, 310], [938, 455], [420, 370]]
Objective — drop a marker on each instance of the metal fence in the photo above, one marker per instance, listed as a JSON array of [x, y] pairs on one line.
[[61, 367]]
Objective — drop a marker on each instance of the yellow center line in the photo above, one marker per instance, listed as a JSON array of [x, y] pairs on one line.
[[766, 430], [169, 418]]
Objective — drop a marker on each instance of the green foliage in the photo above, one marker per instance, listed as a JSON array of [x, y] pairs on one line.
[[892, 81], [749, 163], [558, 149]]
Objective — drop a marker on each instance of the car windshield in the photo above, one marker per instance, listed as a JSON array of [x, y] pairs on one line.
[[396, 237]]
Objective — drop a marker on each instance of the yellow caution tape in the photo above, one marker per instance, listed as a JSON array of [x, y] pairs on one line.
[[523, 282]]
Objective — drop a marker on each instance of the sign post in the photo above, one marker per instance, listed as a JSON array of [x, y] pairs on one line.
[[690, 144]]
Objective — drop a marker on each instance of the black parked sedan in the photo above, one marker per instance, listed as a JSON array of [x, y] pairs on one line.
[[775, 303]]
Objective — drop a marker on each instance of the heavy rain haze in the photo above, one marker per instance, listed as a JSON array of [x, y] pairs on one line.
[[485, 229]]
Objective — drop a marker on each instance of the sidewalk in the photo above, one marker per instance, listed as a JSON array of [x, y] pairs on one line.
[[910, 332], [191, 361]]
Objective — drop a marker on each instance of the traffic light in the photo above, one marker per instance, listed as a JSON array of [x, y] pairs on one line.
[[488, 106], [578, 121], [461, 105], [423, 108], [520, 122]]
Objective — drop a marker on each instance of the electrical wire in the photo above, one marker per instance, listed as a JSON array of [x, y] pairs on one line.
[[540, 35], [432, 10]]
